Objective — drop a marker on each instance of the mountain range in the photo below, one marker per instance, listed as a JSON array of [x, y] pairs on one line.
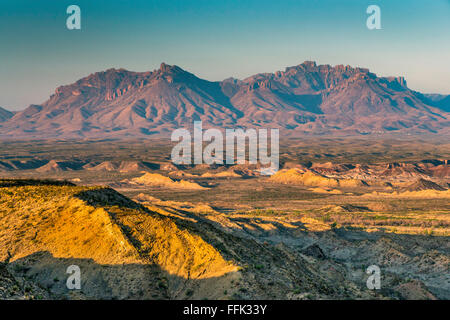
[[302, 100]]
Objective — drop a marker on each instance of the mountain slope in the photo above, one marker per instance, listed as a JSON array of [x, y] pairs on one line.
[[325, 99], [439, 100], [5, 114], [65, 225], [302, 99], [120, 102], [126, 250]]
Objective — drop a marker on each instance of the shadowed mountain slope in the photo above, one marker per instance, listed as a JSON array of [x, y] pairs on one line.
[[5, 114]]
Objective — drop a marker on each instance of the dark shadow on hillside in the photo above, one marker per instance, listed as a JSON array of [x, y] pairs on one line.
[[5, 183], [104, 197], [98, 281], [144, 281]]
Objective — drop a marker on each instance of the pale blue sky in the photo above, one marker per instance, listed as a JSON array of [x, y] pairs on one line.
[[217, 39]]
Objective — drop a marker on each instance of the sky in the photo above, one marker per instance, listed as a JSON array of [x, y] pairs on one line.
[[217, 39]]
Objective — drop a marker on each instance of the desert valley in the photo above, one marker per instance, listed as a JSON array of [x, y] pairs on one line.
[[86, 179], [141, 227]]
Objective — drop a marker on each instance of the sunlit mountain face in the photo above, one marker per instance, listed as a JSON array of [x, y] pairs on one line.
[[304, 99]]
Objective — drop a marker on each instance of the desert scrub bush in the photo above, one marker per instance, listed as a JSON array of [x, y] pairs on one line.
[[297, 291], [262, 212], [162, 285]]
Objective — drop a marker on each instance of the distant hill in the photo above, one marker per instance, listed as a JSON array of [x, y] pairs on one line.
[[303, 99], [423, 184]]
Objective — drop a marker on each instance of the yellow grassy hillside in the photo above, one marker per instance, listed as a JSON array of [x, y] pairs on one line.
[[351, 183], [100, 224], [307, 178], [158, 180], [223, 174], [312, 179]]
